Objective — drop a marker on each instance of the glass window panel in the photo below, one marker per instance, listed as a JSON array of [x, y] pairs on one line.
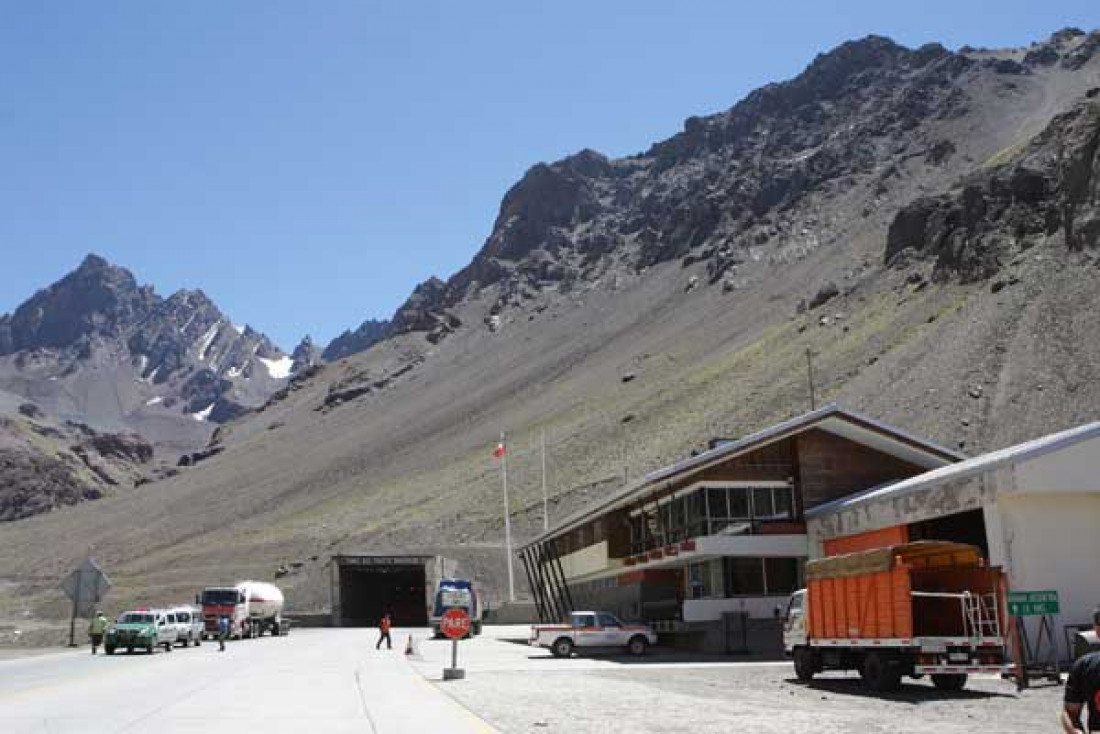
[[762, 503], [783, 575], [783, 508], [744, 577], [716, 503], [739, 503], [716, 588]]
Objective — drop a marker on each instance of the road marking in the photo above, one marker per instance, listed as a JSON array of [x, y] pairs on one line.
[[363, 702]]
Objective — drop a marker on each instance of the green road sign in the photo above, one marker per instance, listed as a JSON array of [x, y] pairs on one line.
[[1032, 603]]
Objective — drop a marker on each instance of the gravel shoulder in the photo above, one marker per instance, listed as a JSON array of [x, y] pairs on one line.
[[518, 689]]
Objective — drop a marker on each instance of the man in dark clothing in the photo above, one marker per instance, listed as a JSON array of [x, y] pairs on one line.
[[223, 631], [384, 632], [1083, 689]]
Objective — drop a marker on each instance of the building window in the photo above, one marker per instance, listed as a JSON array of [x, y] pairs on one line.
[[783, 575], [762, 576], [744, 577]]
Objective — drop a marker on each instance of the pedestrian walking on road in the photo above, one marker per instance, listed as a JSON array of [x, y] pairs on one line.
[[1083, 689], [97, 628], [223, 631], [384, 632]]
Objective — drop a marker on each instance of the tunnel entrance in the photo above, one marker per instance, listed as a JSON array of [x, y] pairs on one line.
[[368, 593], [962, 527], [364, 587]]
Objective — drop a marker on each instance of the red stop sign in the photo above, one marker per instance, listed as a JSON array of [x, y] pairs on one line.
[[455, 623]]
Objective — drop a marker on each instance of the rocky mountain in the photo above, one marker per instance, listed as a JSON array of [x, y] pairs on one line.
[[921, 222], [98, 348], [45, 465], [369, 333]]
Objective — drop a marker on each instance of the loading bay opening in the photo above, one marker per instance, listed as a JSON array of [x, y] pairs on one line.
[[364, 587]]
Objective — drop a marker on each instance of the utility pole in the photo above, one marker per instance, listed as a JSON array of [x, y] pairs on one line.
[[810, 367], [545, 502], [507, 519]]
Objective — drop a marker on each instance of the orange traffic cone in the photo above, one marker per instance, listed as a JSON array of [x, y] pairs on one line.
[[409, 646]]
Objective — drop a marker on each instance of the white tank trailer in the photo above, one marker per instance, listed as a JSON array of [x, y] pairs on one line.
[[265, 606]]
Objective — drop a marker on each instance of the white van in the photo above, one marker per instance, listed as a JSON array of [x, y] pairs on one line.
[[188, 623]]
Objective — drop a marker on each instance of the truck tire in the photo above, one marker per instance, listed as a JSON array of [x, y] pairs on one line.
[[276, 629], [476, 627], [109, 649], [879, 674], [168, 646], [148, 649], [637, 646], [562, 647], [129, 651], [949, 681], [804, 664]]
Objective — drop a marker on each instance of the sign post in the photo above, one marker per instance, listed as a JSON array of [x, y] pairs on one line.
[[1034, 659], [455, 624], [85, 586]]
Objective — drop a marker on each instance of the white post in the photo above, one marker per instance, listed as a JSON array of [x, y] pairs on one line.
[[545, 503], [507, 521]]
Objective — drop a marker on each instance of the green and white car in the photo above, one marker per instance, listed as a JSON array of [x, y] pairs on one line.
[[141, 629]]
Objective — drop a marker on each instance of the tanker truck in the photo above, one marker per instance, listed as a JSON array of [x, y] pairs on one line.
[[253, 607]]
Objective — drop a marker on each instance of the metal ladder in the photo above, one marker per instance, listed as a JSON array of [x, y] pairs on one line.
[[981, 615]]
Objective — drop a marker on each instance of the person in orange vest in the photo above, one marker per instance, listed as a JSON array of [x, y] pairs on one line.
[[384, 632]]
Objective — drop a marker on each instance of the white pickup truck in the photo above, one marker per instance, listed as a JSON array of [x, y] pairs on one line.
[[586, 630]]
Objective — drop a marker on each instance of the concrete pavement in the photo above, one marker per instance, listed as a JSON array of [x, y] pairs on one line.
[[316, 681]]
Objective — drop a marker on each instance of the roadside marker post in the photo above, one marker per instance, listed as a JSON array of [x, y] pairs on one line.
[[455, 625]]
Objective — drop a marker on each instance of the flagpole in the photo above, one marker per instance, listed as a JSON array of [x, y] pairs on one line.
[[545, 503], [507, 520]]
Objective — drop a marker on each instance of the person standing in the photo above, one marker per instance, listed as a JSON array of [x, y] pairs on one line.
[[97, 628], [223, 631], [1083, 689], [384, 632]]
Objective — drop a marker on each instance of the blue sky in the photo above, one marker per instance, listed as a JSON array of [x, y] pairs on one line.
[[306, 164]]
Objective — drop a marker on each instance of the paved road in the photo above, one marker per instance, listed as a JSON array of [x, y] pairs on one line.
[[316, 681]]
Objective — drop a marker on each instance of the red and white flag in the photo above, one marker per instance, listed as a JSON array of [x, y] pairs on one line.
[[500, 450]]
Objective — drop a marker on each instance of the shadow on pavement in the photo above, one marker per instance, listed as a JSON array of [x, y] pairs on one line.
[[655, 655], [910, 692]]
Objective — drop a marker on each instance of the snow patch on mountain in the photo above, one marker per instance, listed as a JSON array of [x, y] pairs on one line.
[[278, 368]]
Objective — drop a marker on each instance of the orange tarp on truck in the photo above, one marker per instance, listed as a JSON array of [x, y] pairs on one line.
[[868, 594]]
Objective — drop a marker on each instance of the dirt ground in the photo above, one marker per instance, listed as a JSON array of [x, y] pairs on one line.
[[517, 688], [747, 699]]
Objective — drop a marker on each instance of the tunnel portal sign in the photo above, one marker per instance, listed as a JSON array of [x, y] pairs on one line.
[[1032, 603], [455, 623]]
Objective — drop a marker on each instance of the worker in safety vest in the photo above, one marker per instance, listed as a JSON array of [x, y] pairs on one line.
[[97, 628], [384, 632]]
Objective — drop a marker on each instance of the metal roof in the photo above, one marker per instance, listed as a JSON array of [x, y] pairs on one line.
[[731, 449], [967, 469]]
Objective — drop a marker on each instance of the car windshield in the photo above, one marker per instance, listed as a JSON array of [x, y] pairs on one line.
[[136, 618], [219, 596]]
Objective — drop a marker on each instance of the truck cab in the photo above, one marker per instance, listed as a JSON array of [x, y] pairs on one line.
[[794, 622], [456, 594]]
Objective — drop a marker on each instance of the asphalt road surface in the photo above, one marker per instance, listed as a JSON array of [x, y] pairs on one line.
[[315, 681]]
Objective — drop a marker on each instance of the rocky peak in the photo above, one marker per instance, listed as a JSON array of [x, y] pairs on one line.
[[350, 342], [95, 300], [305, 355]]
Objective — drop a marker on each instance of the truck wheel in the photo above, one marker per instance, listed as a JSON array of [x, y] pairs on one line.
[[476, 628], [148, 649], [804, 664], [109, 650], [562, 647], [637, 646], [129, 651], [275, 630], [949, 681], [168, 646], [878, 674]]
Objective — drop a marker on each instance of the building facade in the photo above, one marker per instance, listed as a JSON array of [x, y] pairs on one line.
[[721, 535]]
